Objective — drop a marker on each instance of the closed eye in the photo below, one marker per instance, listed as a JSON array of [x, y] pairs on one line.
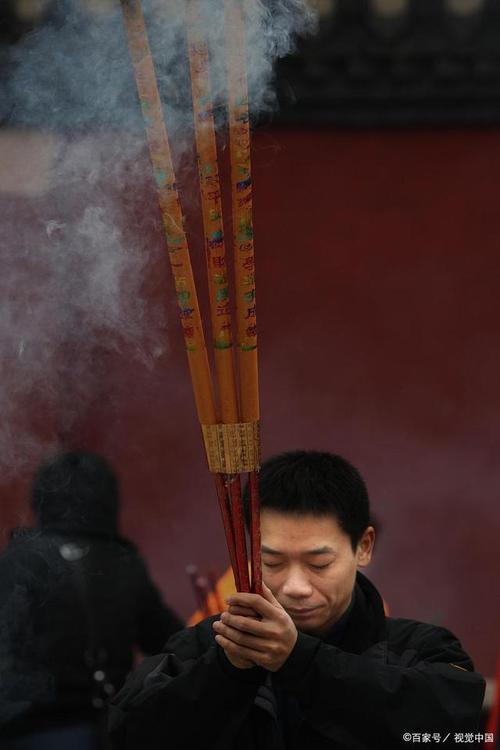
[[320, 567], [272, 565]]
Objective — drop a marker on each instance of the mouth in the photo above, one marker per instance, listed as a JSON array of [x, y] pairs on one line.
[[303, 612]]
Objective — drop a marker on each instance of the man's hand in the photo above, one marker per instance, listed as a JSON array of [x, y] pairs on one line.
[[256, 631]]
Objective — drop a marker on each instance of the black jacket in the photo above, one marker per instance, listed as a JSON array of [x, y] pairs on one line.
[[71, 605], [362, 687]]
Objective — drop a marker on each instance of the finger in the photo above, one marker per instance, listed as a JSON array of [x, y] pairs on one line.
[[239, 652], [255, 602], [241, 639], [268, 594], [244, 612], [246, 624]]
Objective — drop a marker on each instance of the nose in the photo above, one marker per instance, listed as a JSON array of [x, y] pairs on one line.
[[296, 585]]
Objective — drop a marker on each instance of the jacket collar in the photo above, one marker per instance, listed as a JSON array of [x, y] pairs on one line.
[[364, 623]]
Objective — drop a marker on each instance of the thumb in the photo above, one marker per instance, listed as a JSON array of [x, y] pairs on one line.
[[268, 594]]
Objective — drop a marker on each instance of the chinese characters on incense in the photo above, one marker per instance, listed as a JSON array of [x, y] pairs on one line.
[[231, 428]]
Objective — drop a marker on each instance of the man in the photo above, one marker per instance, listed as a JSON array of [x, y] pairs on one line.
[[75, 600], [313, 664]]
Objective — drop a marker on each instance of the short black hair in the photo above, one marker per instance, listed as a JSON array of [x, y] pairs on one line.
[[318, 483], [76, 491]]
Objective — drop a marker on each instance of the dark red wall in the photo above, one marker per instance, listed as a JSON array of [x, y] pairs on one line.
[[379, 308]]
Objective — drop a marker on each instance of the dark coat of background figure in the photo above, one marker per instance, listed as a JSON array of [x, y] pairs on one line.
[[76, 600]]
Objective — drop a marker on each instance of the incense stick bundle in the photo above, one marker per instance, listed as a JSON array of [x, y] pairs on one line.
[[211, 197], [232, 446], [161, 159]]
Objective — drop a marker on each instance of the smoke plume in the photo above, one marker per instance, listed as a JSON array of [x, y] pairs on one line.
[[72, 279]]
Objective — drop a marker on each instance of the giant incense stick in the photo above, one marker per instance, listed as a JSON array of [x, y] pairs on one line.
[[210, 188], [161, 159], [241, 178]]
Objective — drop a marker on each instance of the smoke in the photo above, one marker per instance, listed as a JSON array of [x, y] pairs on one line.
[[71, 293], [72, 278], [74, 73]]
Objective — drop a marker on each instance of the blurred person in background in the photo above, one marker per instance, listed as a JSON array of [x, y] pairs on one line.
[[76, 599]]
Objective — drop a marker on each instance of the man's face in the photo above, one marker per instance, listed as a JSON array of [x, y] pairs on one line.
[[309, 565]]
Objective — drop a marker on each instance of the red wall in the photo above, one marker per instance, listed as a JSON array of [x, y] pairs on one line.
[[378, 301]]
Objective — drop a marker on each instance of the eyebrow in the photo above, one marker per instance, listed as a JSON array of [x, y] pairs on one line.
[[318, 551]]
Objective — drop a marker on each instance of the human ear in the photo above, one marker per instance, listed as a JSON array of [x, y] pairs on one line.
[[365, 546]]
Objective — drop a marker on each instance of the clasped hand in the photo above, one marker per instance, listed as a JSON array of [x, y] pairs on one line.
[[256, 631]]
